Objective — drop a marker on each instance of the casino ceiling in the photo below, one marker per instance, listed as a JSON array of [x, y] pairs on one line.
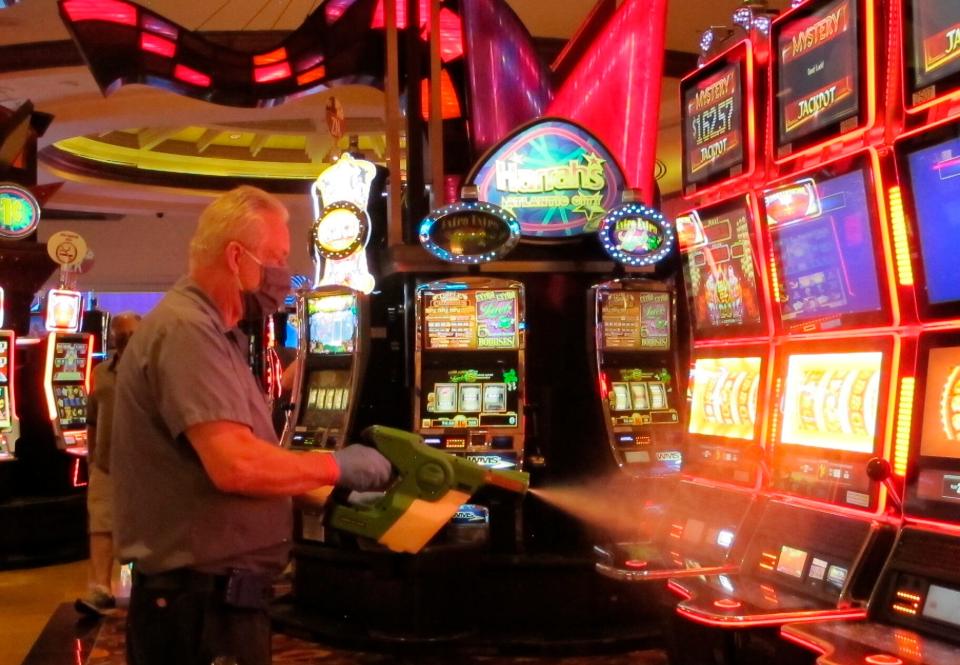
[[137, 231]]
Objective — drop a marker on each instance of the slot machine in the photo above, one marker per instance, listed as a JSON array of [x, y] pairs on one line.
[[930, 60], [9, 423], [469, 369], [334, 336], [66, 384]]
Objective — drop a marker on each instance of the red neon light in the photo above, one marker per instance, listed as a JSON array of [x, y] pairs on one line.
[[883, 659], [108, 11], [153, 44], [777, 619], [678, 590], [76, 474], [787, 633], [449, 103], [270, 58], [272, 72], [636, 564], [89, 367], [727, 604], [312, 75], [11, 371], [191, 76]]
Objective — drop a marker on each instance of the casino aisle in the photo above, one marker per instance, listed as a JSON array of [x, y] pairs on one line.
[[40, 627]]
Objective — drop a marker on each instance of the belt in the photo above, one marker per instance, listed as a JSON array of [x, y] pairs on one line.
[[239, 589], [181, 578]]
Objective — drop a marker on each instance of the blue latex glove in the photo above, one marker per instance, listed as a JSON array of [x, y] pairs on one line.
[[362, 468]]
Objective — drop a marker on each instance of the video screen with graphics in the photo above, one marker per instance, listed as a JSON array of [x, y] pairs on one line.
[[481, 395], [830, 401], [724, 397], [332, 324], [326, 397], [817, 65], [483, 319], [64, 309], [640, 396], [634, 320], [713, 134], [934, 38], [69, 361], [71, 404], [720, 270], [5, 420], [5, 353], [823, 245], [934, 176]]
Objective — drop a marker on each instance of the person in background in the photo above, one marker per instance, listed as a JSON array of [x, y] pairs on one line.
[[203, 490], [99, 598]]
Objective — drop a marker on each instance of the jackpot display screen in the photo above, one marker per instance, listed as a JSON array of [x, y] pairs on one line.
[[634, 320], [720, 270], [478, 319], [71, 403], [934, 178], [332, 324], [480, 394], [816, 75], [713, 123], [724, 397], [825, 253], [69, 361], [933, 46], [327, 397]]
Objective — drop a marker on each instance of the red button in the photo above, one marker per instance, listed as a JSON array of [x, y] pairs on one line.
[[883, 659], [727, 604], [635, 563]]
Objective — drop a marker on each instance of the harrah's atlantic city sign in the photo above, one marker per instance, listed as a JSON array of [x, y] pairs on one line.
[[555, 177]]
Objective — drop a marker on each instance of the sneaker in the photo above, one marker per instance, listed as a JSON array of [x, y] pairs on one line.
[[97, 603]]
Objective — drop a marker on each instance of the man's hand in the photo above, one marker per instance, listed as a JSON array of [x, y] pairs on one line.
[[362, 468]]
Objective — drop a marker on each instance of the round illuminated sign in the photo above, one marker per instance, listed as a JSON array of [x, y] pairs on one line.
[[636, 235], [19, 212], [469, 232], [342, 230]]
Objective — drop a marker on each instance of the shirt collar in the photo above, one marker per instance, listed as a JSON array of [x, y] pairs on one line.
[[188, 288]]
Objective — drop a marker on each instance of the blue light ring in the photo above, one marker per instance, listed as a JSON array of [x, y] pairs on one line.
[[358, 243], [616, 252], [507, 218]]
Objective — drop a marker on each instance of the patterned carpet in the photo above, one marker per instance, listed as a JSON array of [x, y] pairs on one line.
[[108, 649]]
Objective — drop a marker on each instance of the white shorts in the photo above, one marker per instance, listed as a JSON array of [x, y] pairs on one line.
[[99, 501]]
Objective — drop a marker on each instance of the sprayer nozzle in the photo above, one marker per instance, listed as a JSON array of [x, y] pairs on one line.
[[518, 485]]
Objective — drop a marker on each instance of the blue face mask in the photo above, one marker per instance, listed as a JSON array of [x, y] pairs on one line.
[[268, 297]]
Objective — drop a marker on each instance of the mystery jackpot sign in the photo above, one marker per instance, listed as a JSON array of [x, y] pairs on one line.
[[555, 177]]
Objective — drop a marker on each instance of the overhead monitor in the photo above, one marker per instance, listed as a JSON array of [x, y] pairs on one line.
[[332, 323], [931, 50], [721, 270], [831, 421], [828, 257], [933, 484], [930, 180], [633, 320], [817, 70], [470, 319], [717, 123]]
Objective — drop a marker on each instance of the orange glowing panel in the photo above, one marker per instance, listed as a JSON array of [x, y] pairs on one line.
[[831, 399], [271, 73], [63, 310], [724, 399], [270, 58], [109, 11], [153, 44], [901, 450], [312, 75], [449, 103], [940, 436], [191, 76]]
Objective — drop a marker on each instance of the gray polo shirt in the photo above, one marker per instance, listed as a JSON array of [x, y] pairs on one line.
[[183, 368], [100, 412]]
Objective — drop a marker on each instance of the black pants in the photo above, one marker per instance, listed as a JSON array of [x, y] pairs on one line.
[[183, 620]]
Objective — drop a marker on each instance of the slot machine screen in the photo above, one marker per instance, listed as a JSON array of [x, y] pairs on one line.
[[821, 231], [829, 425], [326, 398], [724, 398], [71, 403], [470, 319], [69, 361], [714, 121], [634, 320], [932, 50], [332, 324], [816, 73], [477, 392], [933, 204], [5, 354], [720, 269]]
